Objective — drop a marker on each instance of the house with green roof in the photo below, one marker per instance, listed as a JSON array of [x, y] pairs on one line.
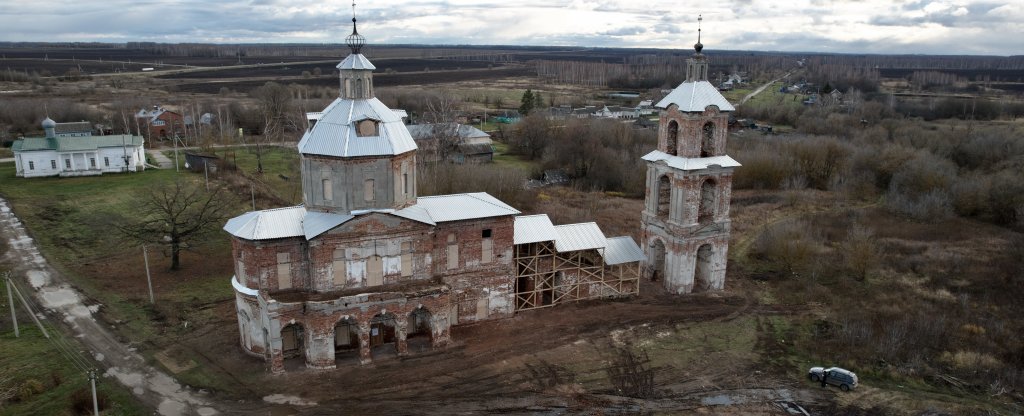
[[77, 155]]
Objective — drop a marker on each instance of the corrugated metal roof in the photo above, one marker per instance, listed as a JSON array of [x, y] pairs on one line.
[[575, 237], [415, 213], [534, 229], [316, 223], [356, 61], [268, 224], [696, 96], [620, 250], [691, 163], [75, 144], [443, 208], [335, 133]]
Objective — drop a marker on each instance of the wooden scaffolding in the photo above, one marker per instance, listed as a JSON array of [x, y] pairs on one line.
[[545, 277]]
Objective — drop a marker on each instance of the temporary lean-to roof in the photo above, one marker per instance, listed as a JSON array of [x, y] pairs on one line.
[[334, 134], [695, 97], [691, 163], [575, 237], [619, 250], [534, 229]]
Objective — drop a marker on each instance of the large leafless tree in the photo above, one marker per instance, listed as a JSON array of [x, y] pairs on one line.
[[178, 215]]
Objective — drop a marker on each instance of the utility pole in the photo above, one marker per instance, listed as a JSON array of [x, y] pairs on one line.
[[29, 309], [149, 281], [10, 299], [176, 168], [206, 171], [252, 191], [95, 403]]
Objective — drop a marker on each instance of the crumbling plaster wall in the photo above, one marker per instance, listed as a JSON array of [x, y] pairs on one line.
[[480, 290], [691, 130]]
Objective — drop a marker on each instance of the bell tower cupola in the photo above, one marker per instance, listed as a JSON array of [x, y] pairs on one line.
[[356, 71]]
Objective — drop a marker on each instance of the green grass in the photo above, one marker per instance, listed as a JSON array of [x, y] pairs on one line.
[[31, 357], [502, 157]]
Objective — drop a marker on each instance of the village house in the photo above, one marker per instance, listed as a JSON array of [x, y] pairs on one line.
[[70, 149], [468, 144], [160, 123], [366, 268]]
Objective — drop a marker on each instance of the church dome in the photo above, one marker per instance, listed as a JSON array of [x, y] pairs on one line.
[[49, 123]]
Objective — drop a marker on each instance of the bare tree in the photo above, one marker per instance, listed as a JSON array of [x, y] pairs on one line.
[[442, 111], [532, 135], [275, 106], [177, 214]]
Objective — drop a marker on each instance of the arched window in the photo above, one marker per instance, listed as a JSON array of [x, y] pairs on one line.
[[672, 138], [664, 196], [707, 143], [702, 269], [359, 93], [708, 202]]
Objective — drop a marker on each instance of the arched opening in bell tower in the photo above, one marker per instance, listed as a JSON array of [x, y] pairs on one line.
[[657, 259], [672, 138], [664, 196], [702, 270], [707, 142], [708, 201]]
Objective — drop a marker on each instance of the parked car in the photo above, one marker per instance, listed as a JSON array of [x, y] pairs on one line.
[[835, 376]]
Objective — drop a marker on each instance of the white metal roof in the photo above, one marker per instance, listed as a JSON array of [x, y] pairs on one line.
[[268, 224], [316, 223], [415, 213], [691, 163], [695, 97], [620, 250], [458, 207], [335, 132], [575, 237], [356, 61], [534, 229]]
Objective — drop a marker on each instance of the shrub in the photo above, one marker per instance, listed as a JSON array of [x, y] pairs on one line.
[[789, 245]]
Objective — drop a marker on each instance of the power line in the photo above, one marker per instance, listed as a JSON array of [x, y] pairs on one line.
[[59, 342]]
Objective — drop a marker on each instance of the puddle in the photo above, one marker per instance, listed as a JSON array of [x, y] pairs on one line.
[[292, 400]]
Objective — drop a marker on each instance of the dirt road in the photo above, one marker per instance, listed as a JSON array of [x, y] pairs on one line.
[[116, 360], [762, 88]]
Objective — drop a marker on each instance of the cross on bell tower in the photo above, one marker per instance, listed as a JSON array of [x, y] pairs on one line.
[[685, 222]]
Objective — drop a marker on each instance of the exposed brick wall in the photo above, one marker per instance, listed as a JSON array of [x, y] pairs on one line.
[[691, 130]]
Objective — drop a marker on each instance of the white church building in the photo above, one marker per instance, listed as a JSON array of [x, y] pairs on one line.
[[77, 154]]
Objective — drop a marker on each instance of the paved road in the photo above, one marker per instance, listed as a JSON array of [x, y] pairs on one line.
[[65, 303]]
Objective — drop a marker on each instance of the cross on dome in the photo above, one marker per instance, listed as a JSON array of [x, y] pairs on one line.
[[355, 41]]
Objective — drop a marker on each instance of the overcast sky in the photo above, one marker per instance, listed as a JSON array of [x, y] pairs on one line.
[[856, 26]]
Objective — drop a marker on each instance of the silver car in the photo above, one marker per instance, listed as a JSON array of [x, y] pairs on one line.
[[835, 376]]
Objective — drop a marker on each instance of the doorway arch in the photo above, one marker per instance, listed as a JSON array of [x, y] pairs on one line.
[[420, 330], [382, 334], [657, 258], [346, 340], [293, 348], [702, 269]]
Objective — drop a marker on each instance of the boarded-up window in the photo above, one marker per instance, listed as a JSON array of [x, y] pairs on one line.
[[366, 128], [368, 190], [406, 259], [453, 252], [374, 271], [481, 308], [338, 272], [284, 271], [486, 246], [325, 186]]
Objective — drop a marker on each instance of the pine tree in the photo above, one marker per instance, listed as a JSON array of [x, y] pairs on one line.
[[526, 104]]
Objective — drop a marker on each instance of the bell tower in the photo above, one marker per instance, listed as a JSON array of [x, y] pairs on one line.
[[685, 223]]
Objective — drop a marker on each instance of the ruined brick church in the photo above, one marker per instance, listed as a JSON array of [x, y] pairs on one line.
[[365, 268]]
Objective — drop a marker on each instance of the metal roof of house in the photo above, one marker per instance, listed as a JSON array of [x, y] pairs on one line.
[[73, 127], [268, 224], [534, 229], [443, 208], [575, 237], [695, 97], [427, 131], [620, 250], [335, 132], [415, 213], [691, 163], [356, 61], [75, 144]]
